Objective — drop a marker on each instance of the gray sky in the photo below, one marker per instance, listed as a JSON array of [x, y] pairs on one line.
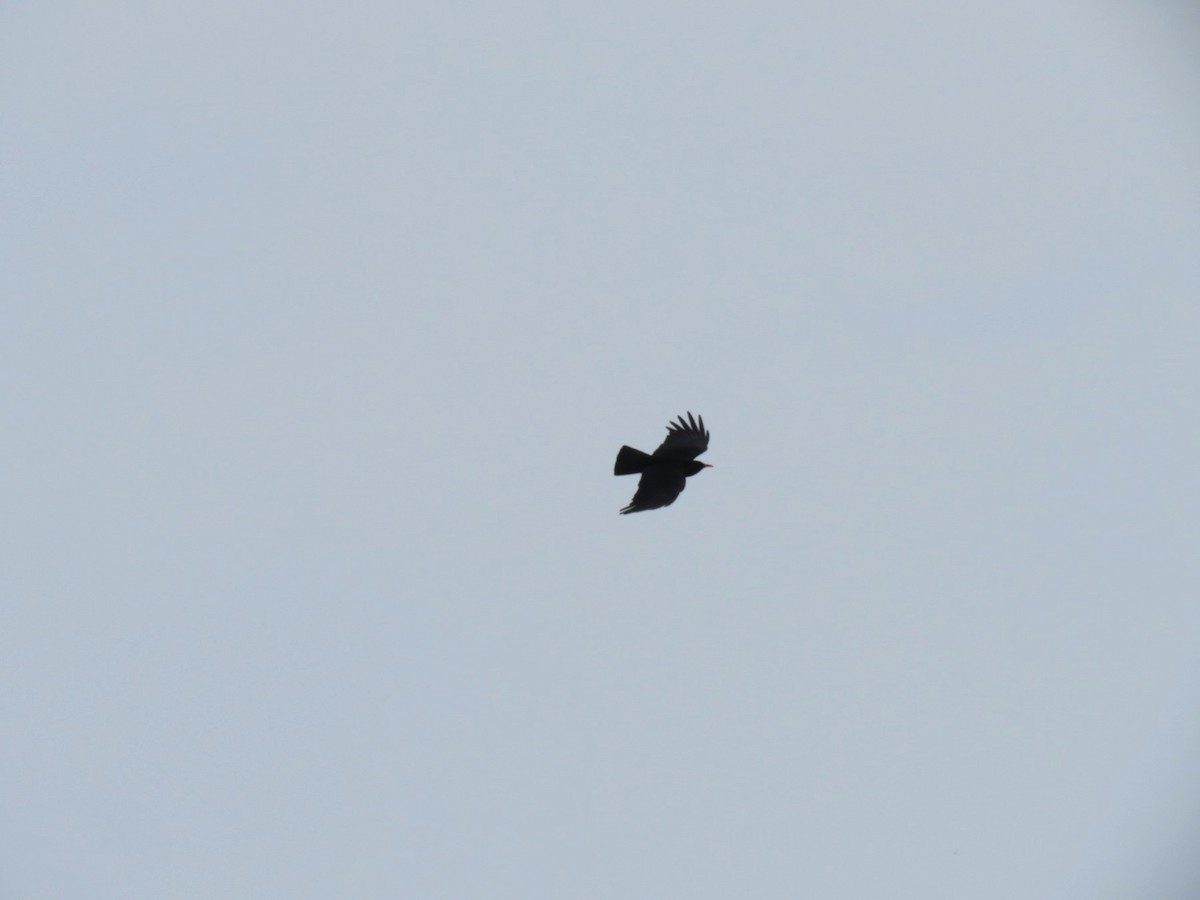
[[324, 324]]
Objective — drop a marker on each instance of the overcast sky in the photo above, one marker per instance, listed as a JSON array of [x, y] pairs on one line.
[[323, 324]]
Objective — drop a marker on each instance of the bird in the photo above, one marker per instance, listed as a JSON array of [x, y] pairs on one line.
[[665, 472]]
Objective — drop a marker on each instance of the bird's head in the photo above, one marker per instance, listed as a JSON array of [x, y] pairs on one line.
[[694, 467]]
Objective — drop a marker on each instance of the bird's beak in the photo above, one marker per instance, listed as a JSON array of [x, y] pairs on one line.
[[707, 465]]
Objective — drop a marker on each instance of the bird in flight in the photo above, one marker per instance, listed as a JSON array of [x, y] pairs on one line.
[[665, 472]]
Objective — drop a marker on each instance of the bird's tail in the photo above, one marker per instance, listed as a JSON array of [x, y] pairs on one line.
[[630, 461]]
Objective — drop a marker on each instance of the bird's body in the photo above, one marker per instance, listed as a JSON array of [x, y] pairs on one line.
[[664, 472]]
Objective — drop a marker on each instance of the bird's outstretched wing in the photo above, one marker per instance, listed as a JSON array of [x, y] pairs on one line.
[[657, 488], [685, 440]]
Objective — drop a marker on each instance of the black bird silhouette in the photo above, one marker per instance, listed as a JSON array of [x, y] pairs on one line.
[[665, 473]]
